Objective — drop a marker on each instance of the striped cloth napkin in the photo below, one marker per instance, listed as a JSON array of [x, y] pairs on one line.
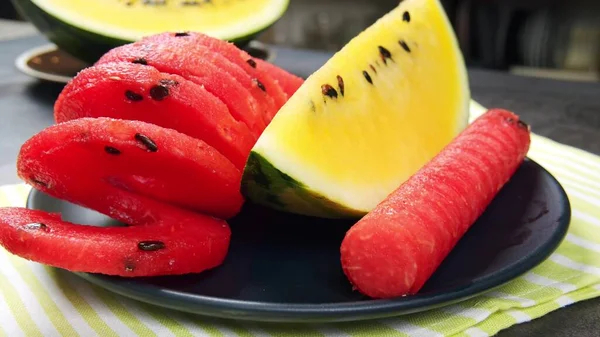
[[41, 301]]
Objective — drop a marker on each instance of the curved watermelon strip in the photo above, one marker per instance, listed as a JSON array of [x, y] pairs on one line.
[[203, 67], [88, 160], [137, 92], [180, 243], [143, 175]]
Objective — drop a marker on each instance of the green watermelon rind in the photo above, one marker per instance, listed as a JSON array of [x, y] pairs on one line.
[[264, 184], [89, 46]]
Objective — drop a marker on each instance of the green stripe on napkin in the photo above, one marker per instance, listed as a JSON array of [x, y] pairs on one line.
[[40, 301]]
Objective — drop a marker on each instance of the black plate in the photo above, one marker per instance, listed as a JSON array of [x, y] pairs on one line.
[[283, 267]]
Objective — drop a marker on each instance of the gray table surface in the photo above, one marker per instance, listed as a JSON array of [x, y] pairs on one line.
[[564, 111]]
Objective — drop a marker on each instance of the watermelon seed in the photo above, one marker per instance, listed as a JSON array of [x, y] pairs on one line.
[[341, 84], [114, 78], [180, 34], [39, 182], [522, 125], [159, 92], [312, 106], [329, 91], [373, 68], [168, 83], [112, 150], [251, 62], [147, 142], [367, 77], [36, 226], [132, 96], [140, 60], [150, 246], [385, 54], [129, 266], [259, 84], [406, 16], [404, 46]]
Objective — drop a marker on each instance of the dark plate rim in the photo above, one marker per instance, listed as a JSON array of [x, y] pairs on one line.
[[356, 310]]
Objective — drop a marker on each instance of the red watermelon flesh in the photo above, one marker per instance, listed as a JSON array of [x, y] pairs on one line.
[[94, 161], [138, 92], [260, 79], [395, 248], [203, 67], [165, 240], [287, 81]]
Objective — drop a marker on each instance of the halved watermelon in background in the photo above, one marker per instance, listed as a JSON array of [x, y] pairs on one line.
[[88, 29]]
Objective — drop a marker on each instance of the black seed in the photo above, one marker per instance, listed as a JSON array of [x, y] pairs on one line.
[[251, 62], [129, 265], [180, 34], [147, 142], [168, 83], [36, 226], [367, 77], [132, 96], [140, 60], [259, 84], [112, 150], [406, 16], [159, 92], [329, 91], [150, 246], [341, 84], [373, 68], [38, 182], [522, 125], [404, 46], [385, 54]]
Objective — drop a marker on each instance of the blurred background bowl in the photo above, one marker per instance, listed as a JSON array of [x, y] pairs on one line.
[[89, 45]]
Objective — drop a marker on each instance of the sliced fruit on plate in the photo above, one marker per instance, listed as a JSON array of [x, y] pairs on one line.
[[88, 29], [106, 164], [367, 120], [137, 92], [222, 78], [260, 78], [395, 248], [174, 242]]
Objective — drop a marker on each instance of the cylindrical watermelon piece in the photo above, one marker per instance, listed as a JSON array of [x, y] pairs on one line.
[[88, 160], [395, 248], [216, 74], [137, 92]]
